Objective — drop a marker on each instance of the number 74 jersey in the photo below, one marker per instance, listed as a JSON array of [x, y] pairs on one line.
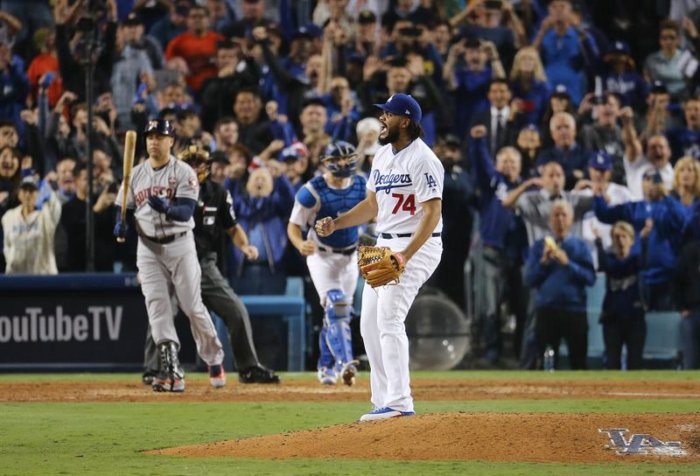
[[403, 181]]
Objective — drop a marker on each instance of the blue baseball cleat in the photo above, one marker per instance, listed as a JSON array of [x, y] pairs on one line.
[[384, 413]]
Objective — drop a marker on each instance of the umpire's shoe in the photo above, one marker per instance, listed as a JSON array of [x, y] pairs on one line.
[[258, 374], [171, 376]]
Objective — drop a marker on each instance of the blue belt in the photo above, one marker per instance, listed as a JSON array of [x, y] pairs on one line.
[[390, 236]]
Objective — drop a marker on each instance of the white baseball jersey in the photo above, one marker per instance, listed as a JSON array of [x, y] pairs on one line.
[[403, 181], [173, 180]]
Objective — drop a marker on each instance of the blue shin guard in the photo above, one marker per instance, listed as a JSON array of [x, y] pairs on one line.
[[337, 325]]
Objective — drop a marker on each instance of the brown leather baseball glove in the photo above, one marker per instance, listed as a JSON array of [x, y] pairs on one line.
[[379, 265]]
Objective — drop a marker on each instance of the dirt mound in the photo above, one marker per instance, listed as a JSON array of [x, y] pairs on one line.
[[530, 437]]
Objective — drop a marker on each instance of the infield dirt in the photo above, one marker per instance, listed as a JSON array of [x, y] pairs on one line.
[[527, 437]]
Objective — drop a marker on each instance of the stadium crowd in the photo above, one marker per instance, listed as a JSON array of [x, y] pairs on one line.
[[569, 132]]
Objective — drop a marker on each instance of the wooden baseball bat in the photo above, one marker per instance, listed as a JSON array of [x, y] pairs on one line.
[[129, 151]]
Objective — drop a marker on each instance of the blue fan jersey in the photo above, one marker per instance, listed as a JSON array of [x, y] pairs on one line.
[[334, 202]]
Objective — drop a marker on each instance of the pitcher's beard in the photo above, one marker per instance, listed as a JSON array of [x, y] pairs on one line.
[[391, 136]]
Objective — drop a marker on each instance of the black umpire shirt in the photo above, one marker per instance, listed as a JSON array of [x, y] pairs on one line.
[[213, 215]]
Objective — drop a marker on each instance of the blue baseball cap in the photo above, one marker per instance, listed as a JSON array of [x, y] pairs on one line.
[[402, 105], [600, 161]]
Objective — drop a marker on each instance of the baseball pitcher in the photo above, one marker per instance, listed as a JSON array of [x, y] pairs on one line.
[[404, 193]]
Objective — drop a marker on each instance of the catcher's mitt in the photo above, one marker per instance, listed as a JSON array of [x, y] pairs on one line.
[[379, 265]]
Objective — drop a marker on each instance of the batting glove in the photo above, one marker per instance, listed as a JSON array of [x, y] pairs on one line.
[[158, 204], [120, 229]]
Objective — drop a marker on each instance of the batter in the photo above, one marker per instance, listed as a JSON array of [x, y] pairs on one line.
[[404, 193], [331, 260], [163, 192]]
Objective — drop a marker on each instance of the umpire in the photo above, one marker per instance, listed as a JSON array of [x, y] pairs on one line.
[[214, 215]]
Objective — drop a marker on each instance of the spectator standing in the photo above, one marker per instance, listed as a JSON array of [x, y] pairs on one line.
[[171, 25], [621, 77], [572, 157], [560, 268], [73, 223], [458, 203], [529, 84], [470, 67], [28, 233], [637, 163], [233, 73], [670, 64], [622, 315], [686, 140], [686, 182], [196, 48], [502, 243], [43, 71], [566, 49], [501, 119], [668, 217], [605, 135]]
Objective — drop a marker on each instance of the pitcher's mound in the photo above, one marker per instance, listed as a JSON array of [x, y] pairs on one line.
[[538, 437]]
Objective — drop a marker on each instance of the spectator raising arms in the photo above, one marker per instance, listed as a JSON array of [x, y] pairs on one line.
[[29, 233]]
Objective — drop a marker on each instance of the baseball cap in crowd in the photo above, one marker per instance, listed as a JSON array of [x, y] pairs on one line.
[[309, 31], [653, 175], [560, 91], [293, 152], [452, 140], [28, 183], [366, 16], [658, 87], [619, 47], [600, 161], [402, 105], [161, 126], [132, 19]]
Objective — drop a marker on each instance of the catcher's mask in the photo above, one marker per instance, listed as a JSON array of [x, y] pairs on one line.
[[337, 151], [198, 159]]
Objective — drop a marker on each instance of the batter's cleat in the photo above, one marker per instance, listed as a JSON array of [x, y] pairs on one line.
[[171, 376], [217, 376], [258, 374], [327, 376], [348, 372], [384, 413], [168, 385]]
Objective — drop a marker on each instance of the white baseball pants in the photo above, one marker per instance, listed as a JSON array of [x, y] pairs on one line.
[[163, 267], [330, 270], [384, 311]]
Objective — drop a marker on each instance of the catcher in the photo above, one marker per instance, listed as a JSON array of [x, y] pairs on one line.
[[331, 260], [404, 192]]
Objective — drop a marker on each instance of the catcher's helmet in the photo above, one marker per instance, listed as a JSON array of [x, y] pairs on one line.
[[197, 158], [340, 150]]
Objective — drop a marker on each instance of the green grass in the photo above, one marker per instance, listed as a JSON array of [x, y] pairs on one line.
[[109, 438]]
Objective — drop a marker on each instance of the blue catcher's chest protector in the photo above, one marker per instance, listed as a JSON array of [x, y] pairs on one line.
[[337, 201]]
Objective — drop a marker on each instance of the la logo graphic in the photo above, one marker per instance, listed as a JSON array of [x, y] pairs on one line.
[[641, 444]]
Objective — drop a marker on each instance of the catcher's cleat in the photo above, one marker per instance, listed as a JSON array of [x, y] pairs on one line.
[[348, 372], [217, 376], [258, 374], [168, 385], [327, 376], [384, 413]]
